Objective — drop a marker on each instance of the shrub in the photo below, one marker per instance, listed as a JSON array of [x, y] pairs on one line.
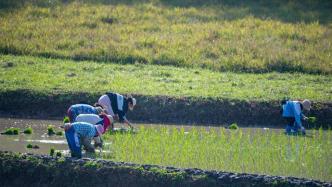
[[29, 146]]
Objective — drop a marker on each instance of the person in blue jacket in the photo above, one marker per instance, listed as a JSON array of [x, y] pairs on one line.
[[75, 131], [292, 112], [77, 109], [117, 106]]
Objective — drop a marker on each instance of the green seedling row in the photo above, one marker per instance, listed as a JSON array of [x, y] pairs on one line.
[[243, 150]]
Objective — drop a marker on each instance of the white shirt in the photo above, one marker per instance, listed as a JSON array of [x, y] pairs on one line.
[[88, 118]]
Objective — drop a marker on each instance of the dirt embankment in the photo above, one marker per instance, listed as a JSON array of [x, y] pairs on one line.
[[35, 170], [162, 109]]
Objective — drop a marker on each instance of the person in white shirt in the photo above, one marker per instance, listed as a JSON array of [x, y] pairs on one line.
[[117, 106], [104, 120]]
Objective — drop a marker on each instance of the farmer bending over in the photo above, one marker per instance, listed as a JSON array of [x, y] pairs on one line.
[[117, 106], [105, 120], [77, 109], [75, 131], [292, 113]]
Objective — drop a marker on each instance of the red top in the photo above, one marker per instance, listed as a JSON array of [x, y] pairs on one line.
[[107, 122]]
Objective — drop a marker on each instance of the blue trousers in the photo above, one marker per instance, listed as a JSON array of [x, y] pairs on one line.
[[73, 141], [292, 127]]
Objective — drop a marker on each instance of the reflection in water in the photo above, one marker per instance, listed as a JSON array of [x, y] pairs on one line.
[[49, 141]]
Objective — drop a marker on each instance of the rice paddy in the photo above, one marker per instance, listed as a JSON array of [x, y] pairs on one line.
[[261, 151]]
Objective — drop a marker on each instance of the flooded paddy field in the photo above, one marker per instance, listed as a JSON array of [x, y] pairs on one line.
[[18, 143], [245, 150], [39, 136]]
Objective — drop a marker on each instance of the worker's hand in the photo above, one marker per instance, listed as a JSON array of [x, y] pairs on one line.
[[305, 118], [66, 126], [98, 145], [98, 142], [116, 117], [303, 130]]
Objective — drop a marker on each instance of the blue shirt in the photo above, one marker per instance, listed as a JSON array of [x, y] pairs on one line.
[[82, 109], [293, 109], [84, 129]]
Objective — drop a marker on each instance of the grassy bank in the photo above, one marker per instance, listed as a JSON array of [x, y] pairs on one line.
[[241, 36], [57, 76], [36, 170], [249, 151]]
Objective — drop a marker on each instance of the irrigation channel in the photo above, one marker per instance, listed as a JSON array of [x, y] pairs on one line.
[[39, 137]]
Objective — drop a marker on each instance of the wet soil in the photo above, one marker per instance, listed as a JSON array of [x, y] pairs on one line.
[[162, 109], [38, 170]]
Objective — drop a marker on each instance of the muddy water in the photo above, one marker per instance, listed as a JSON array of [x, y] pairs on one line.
[[39, 136], [18, 143]]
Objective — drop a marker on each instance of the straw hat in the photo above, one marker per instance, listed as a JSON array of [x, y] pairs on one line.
[[306, 104]]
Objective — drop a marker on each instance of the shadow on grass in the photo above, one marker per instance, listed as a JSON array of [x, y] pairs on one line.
[[292, 11]]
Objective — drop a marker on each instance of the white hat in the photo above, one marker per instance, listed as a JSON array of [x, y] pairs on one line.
[[306, 104], [100, 129]]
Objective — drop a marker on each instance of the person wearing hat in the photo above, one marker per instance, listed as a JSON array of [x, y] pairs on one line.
[[117, 106], [74, 110], [292, 112], [105, 120], [77, 130]]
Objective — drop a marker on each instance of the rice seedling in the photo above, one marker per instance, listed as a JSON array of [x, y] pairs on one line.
[[50, 130], [250, 151], [28, 130], [66, 119], [11, 131], [30, 146], [52, 151], [59, 133], [58, 154], [233, 126], [312, 121]]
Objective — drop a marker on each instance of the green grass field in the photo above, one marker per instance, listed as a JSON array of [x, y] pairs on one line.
[[228, 49], [238, 36], [250, 151], [57, 76]]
